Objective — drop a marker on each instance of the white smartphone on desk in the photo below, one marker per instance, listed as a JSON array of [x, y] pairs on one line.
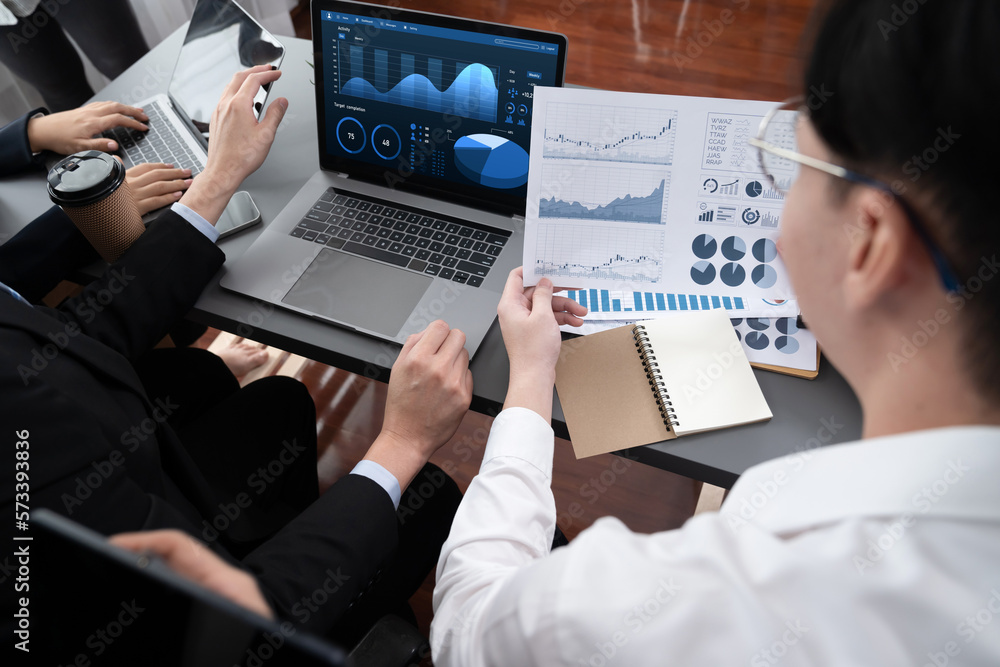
[[240, 213]]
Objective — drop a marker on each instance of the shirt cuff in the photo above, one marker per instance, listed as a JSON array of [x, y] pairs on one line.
[[38, 113], [199, 223], [521, 433], [380, 476]]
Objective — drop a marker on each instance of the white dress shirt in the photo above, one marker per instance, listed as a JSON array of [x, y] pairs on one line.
[[880, 552]]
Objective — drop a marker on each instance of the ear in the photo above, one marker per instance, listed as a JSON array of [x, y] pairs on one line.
[[882, 248]]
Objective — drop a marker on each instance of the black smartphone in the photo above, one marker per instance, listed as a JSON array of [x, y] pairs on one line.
[[240, 213]]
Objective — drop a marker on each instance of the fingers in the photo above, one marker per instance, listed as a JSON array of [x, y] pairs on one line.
[[102, 144], [157, 185], [515, 284], [568, 318], [512, 298], [562, 303], [120, 120], [157, 173], [147, 204], [411, 340], [118, 107], [453, 345], [255, 79], [461, 363], [179, 550], [140, 169], [237, 81], [194, 561], [275, 112], [434, 335], [541, 298], [154, 188]]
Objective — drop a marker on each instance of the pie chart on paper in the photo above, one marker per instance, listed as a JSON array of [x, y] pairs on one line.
[[703, 273], [787, 344], [491, 161]]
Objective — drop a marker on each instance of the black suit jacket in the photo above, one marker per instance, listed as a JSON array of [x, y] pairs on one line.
[[101, 454], [51, 241]]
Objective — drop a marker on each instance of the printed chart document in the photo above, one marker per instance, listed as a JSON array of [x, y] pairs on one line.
[[653, 204]]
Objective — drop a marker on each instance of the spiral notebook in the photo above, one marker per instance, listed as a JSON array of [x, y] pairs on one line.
[[655, 381]]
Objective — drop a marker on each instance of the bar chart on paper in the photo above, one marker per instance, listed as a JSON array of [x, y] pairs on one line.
[[600, 193], [621, 305], [608, 170], [609, 133], [587, 251]]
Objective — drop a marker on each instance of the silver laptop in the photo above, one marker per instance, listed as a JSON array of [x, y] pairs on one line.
[[221, 39], [417, 213]]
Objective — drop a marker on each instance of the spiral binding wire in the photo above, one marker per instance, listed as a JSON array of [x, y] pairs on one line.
[[655, 377]]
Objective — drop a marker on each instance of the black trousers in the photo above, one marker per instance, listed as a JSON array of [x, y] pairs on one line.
[[36, 48], [235, 433], [256, 443]]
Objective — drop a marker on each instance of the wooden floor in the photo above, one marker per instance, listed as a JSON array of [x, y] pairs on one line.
[[716, 48]]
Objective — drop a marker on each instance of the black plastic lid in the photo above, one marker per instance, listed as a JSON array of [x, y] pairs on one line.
[[84, 178]]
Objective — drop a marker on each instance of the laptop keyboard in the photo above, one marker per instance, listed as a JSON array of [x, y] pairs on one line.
[[162, 143], [372, 228]]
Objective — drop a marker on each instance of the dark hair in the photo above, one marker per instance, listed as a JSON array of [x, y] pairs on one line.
[[910, 88]]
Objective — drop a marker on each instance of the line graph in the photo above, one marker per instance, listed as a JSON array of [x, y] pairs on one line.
[[587, 251], [434, 84], [609, 133], [602, 193]]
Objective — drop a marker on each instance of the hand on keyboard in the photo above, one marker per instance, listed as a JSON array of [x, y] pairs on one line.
[[155, 185], [73, 131]]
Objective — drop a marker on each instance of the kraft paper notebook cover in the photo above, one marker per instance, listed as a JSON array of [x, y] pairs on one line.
[[655, 381]]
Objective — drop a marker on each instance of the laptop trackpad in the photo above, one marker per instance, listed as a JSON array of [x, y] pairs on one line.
[[358, 292]]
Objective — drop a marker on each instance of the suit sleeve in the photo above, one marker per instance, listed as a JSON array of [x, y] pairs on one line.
[[76, 469], [50, 247], [314, 567], [44, 252], [148, 290], [15, 151]]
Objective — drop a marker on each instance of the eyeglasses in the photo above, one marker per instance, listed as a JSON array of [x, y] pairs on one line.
[[781, 163]]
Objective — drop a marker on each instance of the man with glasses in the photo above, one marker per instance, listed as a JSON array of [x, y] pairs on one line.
[[879, 552]]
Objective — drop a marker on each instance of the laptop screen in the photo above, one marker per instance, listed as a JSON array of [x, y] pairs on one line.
[[221, 40], [430, 103]]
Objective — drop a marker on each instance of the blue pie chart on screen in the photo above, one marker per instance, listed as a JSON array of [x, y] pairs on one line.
[[491, 161]]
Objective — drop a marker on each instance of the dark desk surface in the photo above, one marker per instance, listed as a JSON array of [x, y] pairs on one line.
[[806, 414]]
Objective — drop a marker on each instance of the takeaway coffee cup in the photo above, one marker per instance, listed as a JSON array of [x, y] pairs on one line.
[[90, 187]]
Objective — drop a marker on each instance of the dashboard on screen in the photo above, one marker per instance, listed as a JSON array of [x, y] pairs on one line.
[[428, 102]]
